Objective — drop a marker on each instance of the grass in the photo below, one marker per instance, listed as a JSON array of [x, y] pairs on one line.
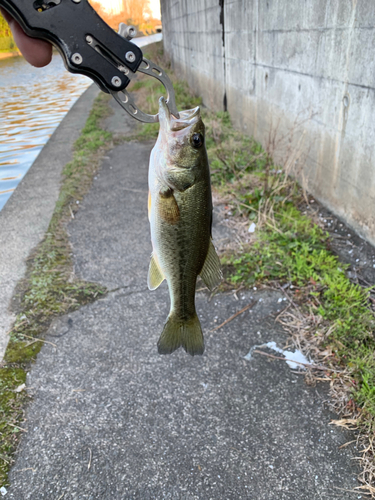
[[6, 42], [329, 315], [49, 289], [290, 250]]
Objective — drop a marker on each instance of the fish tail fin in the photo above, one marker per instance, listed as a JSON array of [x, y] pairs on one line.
[[187, 334]]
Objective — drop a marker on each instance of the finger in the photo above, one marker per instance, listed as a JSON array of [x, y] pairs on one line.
[[36, 52]]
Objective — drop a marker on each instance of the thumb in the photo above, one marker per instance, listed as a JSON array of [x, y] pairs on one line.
[[37, 52]]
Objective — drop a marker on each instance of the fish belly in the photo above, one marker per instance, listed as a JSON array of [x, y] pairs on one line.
[[181, 247]]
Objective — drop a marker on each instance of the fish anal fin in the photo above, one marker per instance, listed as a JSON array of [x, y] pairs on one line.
[[155, 275], [167, 207], [211, 273]]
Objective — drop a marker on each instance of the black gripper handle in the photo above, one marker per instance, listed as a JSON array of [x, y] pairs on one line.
[[87, 44]]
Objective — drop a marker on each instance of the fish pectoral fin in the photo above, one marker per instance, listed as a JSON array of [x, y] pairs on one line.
[[211, 273], [167, 207], [155, 275]]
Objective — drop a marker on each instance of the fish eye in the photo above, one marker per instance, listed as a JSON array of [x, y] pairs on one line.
[[197, 141]]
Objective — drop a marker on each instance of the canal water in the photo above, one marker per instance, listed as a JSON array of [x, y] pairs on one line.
[[33, 101]]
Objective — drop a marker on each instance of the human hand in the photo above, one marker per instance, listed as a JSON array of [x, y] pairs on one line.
[[36, 52]]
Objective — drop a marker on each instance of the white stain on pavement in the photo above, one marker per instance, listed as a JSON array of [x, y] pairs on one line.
[[292, 358]]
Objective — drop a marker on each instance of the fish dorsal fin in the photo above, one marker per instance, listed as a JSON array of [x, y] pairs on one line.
[[155, 275], [211, 272]]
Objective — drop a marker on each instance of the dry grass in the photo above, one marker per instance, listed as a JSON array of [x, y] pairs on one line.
[[250, 187], [308, 330]]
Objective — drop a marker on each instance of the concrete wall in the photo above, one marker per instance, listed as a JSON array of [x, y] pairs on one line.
[[303, 68]]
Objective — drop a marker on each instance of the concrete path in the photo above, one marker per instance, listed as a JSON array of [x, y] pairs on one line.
[[111, 419]]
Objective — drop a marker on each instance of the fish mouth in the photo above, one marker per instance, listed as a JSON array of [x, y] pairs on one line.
[[170, 122]]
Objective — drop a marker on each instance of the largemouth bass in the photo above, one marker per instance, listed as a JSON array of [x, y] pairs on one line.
[[180, 214]]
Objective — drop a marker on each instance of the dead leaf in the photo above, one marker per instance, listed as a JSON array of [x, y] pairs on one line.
[[347, 423]]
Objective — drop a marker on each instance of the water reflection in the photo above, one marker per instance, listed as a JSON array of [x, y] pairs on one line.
[[32, 104]]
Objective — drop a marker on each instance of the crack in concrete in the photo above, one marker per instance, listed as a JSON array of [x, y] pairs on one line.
[[222, 22]]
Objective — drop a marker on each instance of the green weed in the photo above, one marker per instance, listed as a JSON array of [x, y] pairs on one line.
[[12, 401], [290, 249]]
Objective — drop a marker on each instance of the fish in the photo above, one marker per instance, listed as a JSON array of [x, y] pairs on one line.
[[180, 215]]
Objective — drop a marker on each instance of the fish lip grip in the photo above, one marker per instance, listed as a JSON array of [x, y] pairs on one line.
[[127, 102], [90, 47]]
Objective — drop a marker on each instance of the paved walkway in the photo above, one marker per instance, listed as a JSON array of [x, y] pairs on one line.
[[111, 419]]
